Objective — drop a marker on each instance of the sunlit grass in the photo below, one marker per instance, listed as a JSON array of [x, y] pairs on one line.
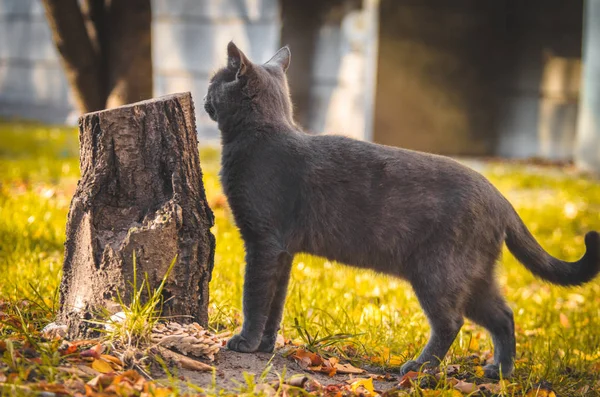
[[557, 328]]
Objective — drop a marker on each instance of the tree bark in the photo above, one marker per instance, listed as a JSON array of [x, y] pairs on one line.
[[140, 191]]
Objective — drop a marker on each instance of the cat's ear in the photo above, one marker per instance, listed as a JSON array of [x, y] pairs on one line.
[[236, 59], [281, 58]]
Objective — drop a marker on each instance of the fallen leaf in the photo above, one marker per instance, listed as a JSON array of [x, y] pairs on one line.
[[67, 348], [541, 390], [348, 369], [478, 371], [112, 359], [303, 355], [408, 378], [102, 381], [93, 352], [366, 384], [72, 371], [474, 343], [55, 388], [102, 366], [88, 370], [540, 393], [263, 389], [465, 387]]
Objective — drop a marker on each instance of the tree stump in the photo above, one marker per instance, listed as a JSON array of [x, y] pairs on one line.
[[140, 191]]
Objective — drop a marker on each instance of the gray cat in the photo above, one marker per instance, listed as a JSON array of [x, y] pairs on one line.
[[424, 218]]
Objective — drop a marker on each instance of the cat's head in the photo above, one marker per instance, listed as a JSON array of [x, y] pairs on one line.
[[245, 91]]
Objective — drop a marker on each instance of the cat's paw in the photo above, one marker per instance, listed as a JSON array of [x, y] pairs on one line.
[[410, 366], [267, 344], [492, 371], [240, 344]]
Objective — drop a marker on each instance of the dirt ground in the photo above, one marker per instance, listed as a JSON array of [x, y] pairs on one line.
[[232, 365]]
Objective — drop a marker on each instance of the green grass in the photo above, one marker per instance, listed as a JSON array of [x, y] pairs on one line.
[[557, 328]]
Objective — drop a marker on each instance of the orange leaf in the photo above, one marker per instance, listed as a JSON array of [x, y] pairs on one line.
[[301, 354], [67, 348], [408, 378], [112, 359]]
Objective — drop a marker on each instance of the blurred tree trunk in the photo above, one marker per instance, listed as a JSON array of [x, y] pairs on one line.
[[105, 48], [587, 150], [300, 25]]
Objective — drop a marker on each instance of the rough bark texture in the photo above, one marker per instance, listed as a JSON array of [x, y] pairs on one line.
[[105, 48], [140, 190]]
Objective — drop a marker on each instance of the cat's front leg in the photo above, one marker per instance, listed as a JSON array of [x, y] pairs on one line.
[[269, 337], [260, 282]]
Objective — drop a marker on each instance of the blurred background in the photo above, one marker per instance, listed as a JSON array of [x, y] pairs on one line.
[[463, 77]]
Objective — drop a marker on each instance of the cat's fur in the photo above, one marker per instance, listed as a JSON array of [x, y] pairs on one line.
[[421, 217]]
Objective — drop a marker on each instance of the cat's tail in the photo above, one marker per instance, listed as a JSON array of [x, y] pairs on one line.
[[526, 249]]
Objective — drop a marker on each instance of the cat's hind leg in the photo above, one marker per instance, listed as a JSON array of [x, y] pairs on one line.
[[488, 308], [269, 337], [443, 304]]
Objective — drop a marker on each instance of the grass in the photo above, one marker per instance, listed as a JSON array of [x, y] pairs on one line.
[[353, 313]]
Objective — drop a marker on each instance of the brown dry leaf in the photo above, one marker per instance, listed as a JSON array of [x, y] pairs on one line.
[[89, 371], [348, 369], [102, 366], [407, 379], [129, 375], [73, 371], [564, 320], [75, 386], [123, 389], [2, 377], [114, 361], [102, 381], [465, 387], [583, 390], [301, 355], [93, 352]]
